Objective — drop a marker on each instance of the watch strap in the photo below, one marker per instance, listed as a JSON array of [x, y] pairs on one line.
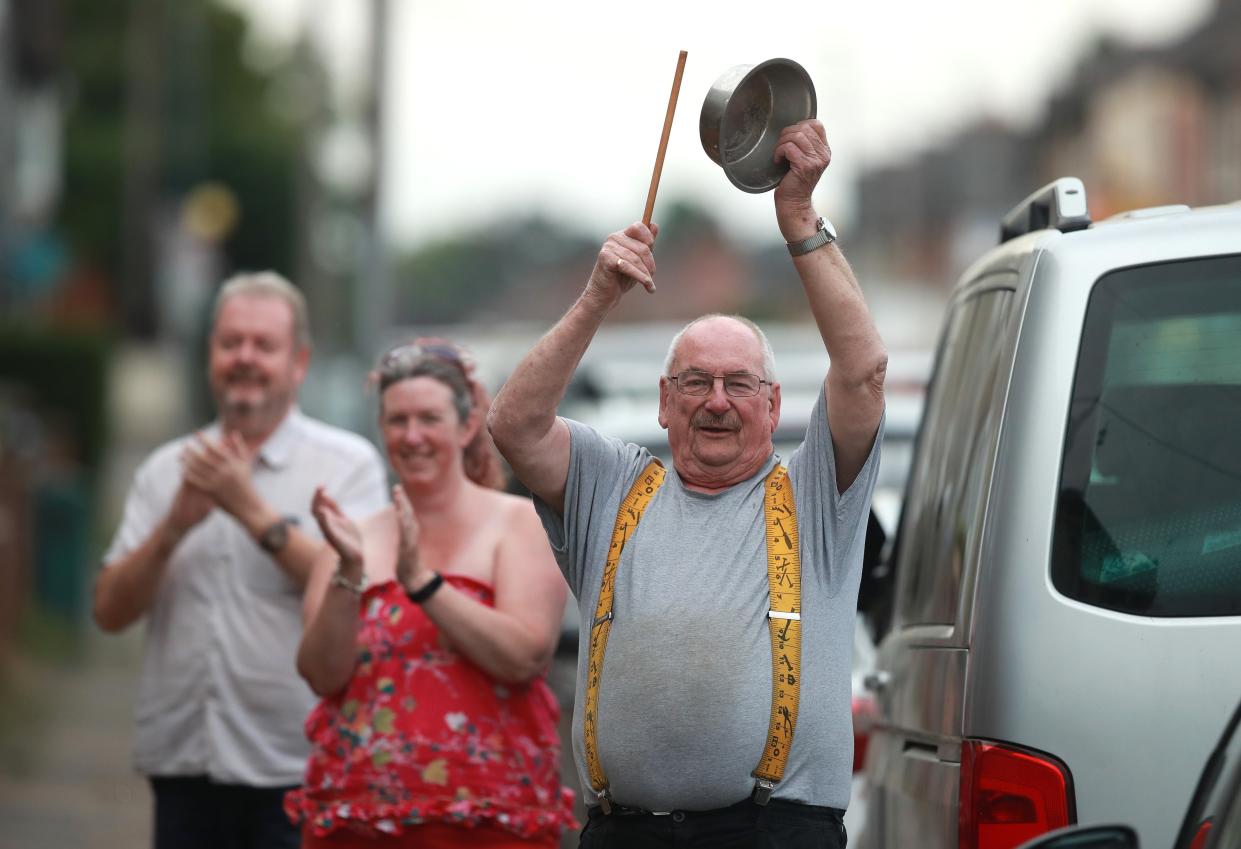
[[823, 235], [275, 536], [426, 590]]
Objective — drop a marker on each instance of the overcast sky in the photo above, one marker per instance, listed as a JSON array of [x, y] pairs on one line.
[[500, 108]]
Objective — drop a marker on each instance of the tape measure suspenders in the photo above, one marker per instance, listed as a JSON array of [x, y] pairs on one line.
[[784, 581], [784, 617], [631, 509]]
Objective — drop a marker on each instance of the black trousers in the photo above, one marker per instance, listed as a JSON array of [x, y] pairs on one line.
[[779, 824], [193, 812]]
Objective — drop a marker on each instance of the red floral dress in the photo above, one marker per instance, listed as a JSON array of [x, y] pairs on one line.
[[422, 735]]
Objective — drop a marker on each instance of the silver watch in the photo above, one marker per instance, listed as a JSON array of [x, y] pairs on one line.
[[824, 234]]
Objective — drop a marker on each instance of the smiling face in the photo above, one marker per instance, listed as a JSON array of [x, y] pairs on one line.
[[423, 432], [718, 439], [255, 367]]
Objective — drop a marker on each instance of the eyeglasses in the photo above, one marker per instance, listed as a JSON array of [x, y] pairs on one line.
[[739, 384]]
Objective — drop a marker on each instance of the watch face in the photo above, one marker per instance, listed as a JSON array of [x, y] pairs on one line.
[[275, 537], [827, 225]]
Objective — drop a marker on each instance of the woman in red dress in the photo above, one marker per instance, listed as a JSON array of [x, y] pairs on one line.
[[428, 632]]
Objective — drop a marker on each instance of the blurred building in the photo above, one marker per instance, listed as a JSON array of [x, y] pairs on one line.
[[1141, 126]]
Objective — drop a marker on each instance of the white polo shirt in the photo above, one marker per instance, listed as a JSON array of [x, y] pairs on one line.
[[219, 693]]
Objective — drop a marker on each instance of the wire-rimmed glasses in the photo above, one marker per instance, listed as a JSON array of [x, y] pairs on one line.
[[738, 384]]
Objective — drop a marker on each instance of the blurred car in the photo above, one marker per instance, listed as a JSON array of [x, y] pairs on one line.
[[1067, 607], [1212, 821]]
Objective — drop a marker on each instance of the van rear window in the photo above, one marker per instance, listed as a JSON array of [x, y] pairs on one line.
[[1148, 519]]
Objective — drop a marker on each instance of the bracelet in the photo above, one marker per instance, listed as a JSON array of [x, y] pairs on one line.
[[339, 580], [427, 590]]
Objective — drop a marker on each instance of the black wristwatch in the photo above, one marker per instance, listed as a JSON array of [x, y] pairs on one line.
[[275, 537], [426, 590]]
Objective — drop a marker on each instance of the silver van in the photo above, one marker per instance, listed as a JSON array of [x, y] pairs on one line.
[[1065, 638]]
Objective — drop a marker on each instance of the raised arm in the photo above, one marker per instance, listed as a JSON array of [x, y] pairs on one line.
[[859, 361], [523, 419]]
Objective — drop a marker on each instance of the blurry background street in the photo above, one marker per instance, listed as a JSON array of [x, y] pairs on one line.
[[64, 743], [418, 168]]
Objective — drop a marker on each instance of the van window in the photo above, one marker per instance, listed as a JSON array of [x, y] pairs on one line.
[[1148, 519], [940, 522]]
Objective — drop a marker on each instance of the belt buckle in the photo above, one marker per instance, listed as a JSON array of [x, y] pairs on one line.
[[762, 791]]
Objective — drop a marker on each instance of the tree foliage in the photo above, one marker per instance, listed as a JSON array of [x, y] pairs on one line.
[[213, 121]]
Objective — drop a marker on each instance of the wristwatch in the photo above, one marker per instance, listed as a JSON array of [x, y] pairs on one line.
[[824, 234], [276, 536], [426, 590]]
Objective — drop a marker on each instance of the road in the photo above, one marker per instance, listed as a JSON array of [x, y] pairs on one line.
[[65, 730]]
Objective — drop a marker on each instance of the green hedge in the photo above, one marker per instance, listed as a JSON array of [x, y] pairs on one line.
[[65, 373]]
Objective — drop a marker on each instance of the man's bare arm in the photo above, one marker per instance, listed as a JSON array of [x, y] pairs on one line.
[[523, 419], [222, 469], [125, 589], [859, 361]]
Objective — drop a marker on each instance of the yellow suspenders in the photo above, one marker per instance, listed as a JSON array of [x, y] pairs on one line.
[[631, 509], [784, 581], [784, 617]]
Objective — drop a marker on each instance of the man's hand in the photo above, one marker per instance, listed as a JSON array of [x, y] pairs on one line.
[[340, 532], [625, 258], [221, 469], [189, 507], [804, 147]]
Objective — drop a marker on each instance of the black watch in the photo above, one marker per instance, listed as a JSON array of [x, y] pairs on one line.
[[275, 537], [426, 590]]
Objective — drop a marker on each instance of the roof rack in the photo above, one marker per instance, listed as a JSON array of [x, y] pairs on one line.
[[1060, 205]]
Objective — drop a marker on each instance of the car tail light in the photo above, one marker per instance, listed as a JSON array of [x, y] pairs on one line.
[[1200, 839], [863, 719], [1008, 795]]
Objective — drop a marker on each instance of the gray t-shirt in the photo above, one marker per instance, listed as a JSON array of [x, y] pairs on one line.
[[686, 691]]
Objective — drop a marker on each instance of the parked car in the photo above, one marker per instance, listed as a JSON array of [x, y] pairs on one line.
[[1212, 821], [1067, 612]]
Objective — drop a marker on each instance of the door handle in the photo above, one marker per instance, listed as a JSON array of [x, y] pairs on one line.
[[877, 681]]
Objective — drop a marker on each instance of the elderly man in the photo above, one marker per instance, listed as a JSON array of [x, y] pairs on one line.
[[713, 696], [214, 549]]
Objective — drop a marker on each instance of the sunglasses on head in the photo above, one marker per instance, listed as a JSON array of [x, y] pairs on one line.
[[406, 356]]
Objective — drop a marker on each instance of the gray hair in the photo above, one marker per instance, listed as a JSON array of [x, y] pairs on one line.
[[394, 368], [268, 284], [769, 357]]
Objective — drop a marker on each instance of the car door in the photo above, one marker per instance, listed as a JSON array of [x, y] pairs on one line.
[[913, 762]]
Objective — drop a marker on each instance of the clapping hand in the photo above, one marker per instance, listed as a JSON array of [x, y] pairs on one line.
[[340, 532], [189, 507], [221, 470], [410, 571]]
